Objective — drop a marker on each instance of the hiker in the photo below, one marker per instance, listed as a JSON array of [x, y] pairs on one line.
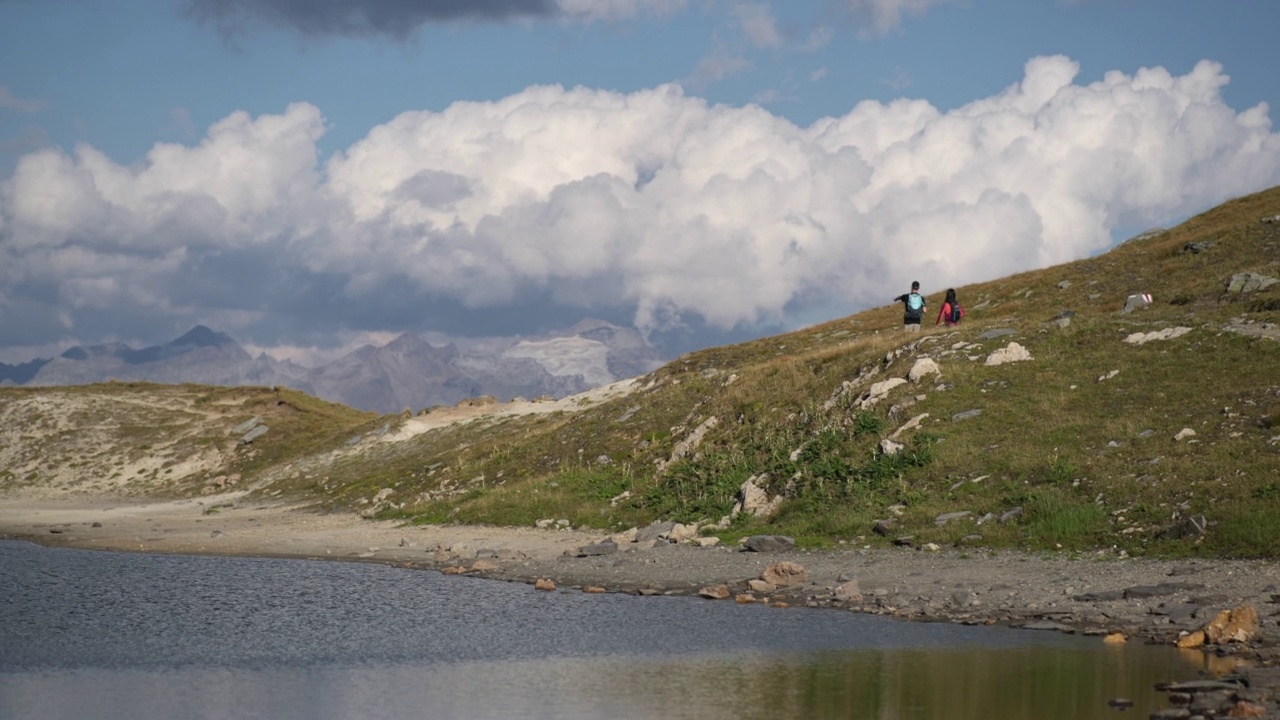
[[913, 304], [951, 312]]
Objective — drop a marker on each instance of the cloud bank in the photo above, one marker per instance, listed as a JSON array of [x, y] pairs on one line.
[[652, 206]]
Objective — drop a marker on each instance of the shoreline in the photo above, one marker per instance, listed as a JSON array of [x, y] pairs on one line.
[[1154, 601]]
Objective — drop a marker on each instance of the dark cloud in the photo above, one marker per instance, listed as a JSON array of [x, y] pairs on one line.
[[360, 18]]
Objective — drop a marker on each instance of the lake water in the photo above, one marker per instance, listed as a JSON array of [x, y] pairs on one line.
[[116, 635]]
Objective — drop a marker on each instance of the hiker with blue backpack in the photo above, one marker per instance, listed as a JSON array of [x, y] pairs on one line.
[[913, 304], [952, 312]]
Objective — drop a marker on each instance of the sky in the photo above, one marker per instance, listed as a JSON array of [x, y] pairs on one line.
[[313, 175]]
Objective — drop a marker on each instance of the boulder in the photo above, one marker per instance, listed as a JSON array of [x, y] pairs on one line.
[[1247, 282], [754, 500], [760, 586], [785, 573], [1136, 302], [1235, 625], [545, 584], [923, 368]]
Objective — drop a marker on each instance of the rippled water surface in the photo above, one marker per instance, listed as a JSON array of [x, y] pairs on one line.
[[116, 635]]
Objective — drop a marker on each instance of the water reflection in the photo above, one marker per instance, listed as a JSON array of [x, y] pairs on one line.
[[109, 635]]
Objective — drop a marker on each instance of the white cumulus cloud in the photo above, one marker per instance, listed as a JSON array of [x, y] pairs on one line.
[[655, 204]]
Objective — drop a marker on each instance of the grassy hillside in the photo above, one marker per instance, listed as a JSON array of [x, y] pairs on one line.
[[1081, 438]]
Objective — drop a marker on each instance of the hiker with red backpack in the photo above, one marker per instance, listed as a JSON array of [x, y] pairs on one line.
[[951, 310]]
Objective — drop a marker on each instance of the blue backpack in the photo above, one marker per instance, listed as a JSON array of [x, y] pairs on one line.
[[915, 304]]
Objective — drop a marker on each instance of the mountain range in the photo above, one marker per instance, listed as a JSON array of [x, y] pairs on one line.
[[406, 373]]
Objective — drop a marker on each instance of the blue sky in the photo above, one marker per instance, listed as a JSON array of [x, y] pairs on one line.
[[311, 176]]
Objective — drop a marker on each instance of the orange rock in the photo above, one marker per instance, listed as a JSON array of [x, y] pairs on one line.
[[545, 584], [484, 565], [593, 589], [1115, 638], [781, 604], [744, 598], [1235, 625], [1191, 640], [715, 592], [785, 573], [453, 570]]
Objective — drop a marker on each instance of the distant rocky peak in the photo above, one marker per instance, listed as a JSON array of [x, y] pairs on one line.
[[201, 336]]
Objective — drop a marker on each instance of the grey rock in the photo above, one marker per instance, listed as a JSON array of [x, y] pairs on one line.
[[1150, 591], [604, 547], [1195, 248], [1249, 282], [769, 543], [996, 332], [1136, 302], [257, 432], [945, 518], [884, 528], [967, 414], [654, 531], [246, 426], [1011, 515]]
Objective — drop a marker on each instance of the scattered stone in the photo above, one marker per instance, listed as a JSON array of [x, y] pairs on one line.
[[1166, 334], [931, 547], [996, 332], [458, 570], [709, 541], [714, 592], [1187, 527], [654, 531], [545, 584], [1013, 352], [1115, 638], [1184, 433], [884, 528], [945, 518], [246, 426], [904, 541], [593, 589], [967, 414], [215, 534], [744, 598], [1120, 703], [98, 524], [769, 543], [878, 392], [761, 586], [1011, 515], [1064, 284], [782, 605], [889, 447], [544, 524], [1195, 248], [785, 573], [1047, 625], [483, 565], [1108, 376], [848, 592]]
